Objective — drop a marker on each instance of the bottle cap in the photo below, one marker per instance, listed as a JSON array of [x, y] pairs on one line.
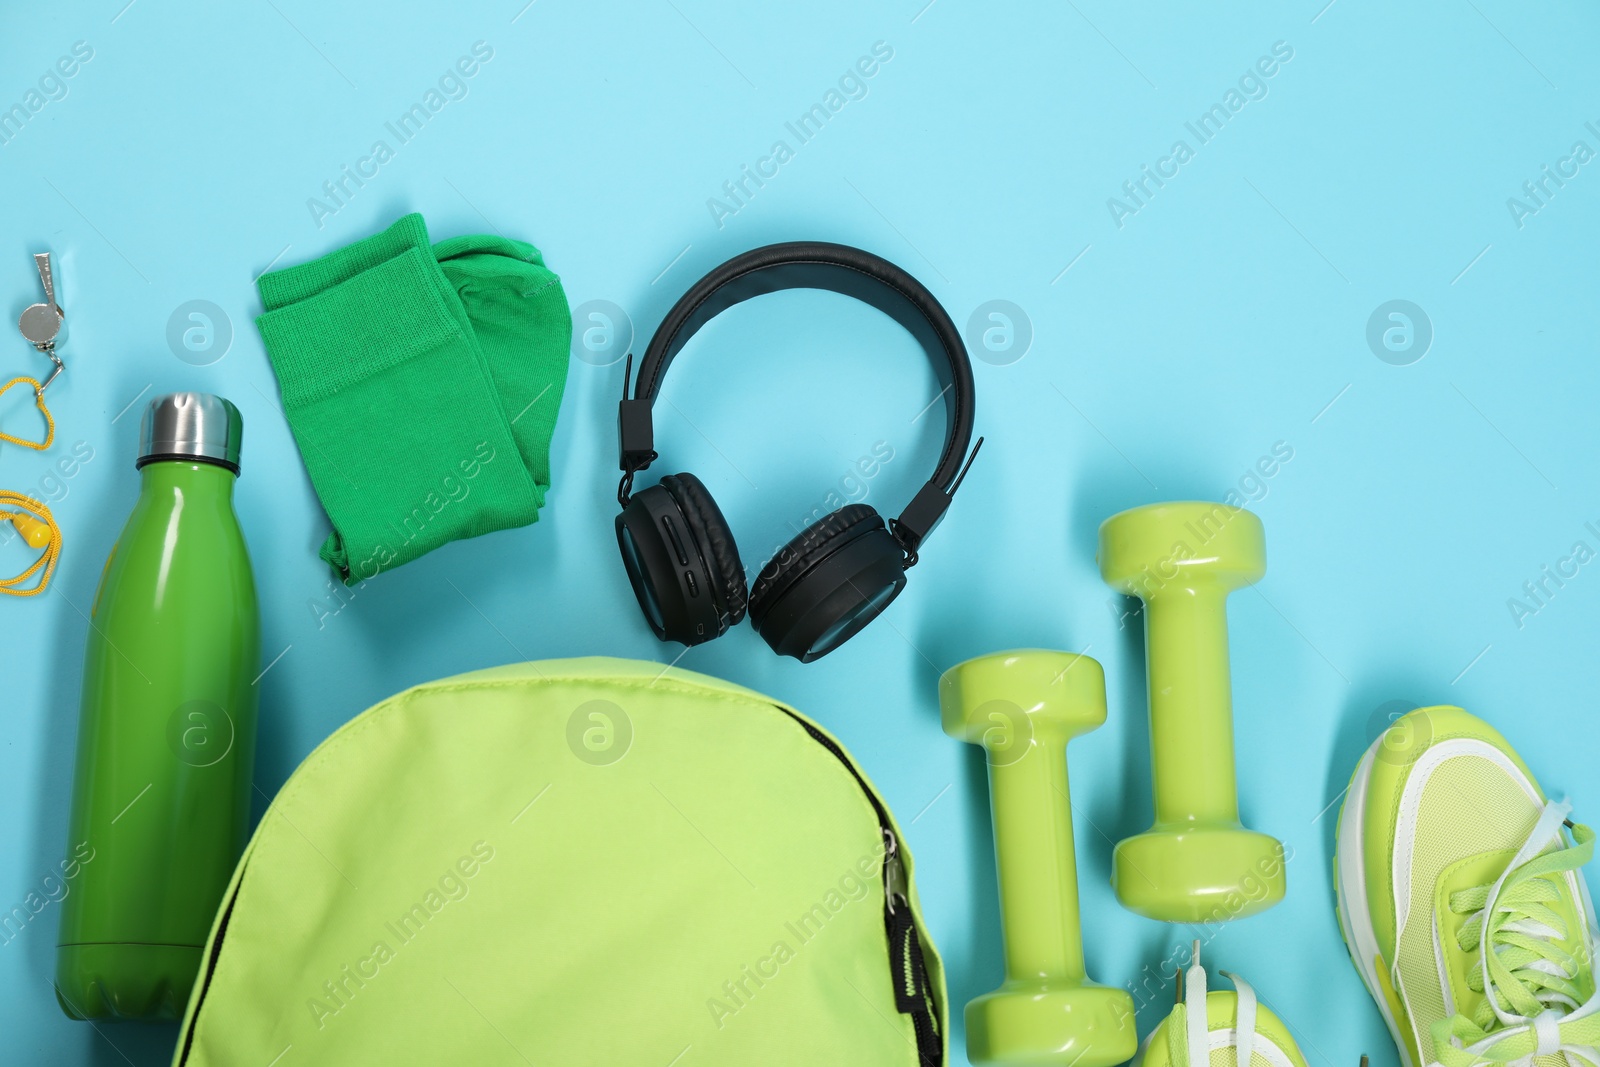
[[193, 427]]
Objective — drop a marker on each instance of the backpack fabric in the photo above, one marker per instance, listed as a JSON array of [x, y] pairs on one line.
[[589, 861]]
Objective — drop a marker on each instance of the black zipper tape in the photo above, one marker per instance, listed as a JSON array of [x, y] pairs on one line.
[[913, 989], [205, 986]]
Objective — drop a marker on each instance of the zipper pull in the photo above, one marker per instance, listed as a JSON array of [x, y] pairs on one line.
[[894, 872], [913, 994]]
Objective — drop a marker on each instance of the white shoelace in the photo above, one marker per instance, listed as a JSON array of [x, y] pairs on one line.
[[1515, 921], [1196, 1029]]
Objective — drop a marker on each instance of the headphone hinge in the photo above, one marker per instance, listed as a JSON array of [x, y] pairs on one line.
[[903, 540], [631, 465], [919, 518]]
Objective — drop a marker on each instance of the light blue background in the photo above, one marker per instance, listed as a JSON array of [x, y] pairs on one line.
[[1227, 315]]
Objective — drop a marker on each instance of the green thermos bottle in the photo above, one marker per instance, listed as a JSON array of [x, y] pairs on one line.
[[161, 801]]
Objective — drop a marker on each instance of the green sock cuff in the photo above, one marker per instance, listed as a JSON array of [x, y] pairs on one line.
[[329, 342], [293, 284]]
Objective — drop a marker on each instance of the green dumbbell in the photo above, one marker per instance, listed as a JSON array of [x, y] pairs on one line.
[[1197, 863], [1023, 708]]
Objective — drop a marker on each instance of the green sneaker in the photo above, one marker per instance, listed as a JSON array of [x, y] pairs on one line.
[[1219, 1028], [1443, 825]]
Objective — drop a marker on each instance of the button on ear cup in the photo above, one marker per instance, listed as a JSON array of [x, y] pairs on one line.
[[666, 564], [827, 583], [710, 530]]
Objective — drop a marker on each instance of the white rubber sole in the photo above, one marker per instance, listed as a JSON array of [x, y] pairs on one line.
[[1350, 890]]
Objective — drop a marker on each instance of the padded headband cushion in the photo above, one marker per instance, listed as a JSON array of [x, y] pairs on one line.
[[710, 529], [837, 268], [816, 541]]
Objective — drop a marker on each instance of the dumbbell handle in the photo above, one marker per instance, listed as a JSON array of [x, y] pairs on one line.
[[1191, 704], [1039, 872]]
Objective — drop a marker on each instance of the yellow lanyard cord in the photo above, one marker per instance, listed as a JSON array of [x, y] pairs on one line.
[[38, 528], [38, 399]]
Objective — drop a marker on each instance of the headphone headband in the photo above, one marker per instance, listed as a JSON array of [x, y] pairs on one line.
[[836, 268]]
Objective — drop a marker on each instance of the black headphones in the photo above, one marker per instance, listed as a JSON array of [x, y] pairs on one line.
[[842, 570]]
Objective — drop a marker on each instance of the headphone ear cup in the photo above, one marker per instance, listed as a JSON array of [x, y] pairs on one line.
[[714, 538], [826, 584], [664, 550]]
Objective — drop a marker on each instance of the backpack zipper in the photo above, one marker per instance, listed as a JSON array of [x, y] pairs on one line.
[[205, 979], [913, 990]]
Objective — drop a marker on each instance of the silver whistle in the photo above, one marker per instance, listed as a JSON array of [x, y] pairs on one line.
[[42, 325]]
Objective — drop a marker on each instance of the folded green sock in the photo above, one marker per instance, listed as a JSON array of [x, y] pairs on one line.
[[515, 304], [422, 385]]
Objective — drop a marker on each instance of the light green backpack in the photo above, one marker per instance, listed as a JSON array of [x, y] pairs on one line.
[[572, 862]]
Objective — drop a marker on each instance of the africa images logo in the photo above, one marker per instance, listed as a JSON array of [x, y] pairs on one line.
[[1252, 85], [453, 886], [737, 192], [451, 86]]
